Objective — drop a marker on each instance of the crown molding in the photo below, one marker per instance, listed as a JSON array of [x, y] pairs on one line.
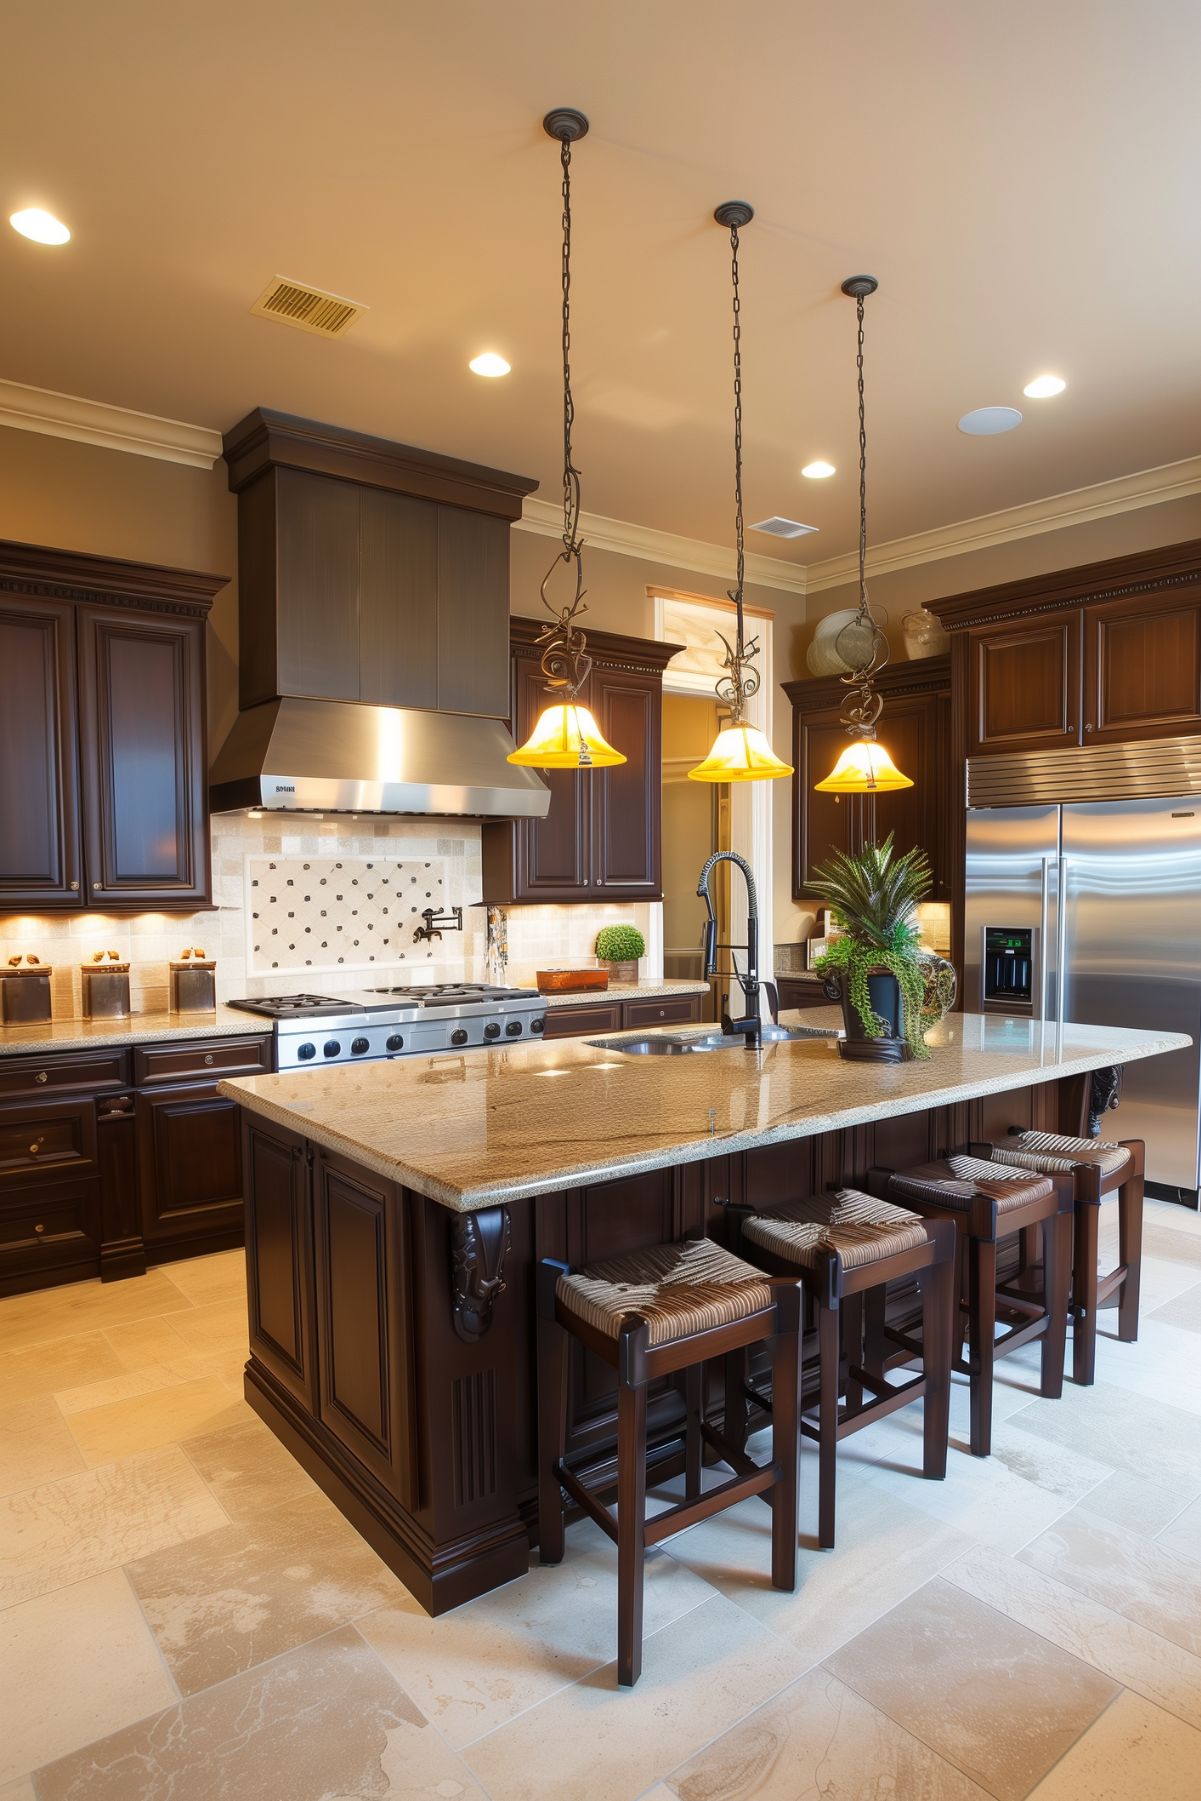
[[1124, 494], [111, 427], [623, 539]]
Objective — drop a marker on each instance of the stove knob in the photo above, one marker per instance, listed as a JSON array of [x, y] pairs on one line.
[[331, 1048], [513, 1029], [458, 1036], [360, 1045], [305, 1051], [537, 1025], [394, 1043], [492, 1030]]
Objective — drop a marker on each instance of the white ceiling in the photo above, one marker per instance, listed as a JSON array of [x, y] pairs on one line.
[[1021, 177]]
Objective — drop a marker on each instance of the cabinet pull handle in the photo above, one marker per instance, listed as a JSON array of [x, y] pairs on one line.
[[41, 1076]]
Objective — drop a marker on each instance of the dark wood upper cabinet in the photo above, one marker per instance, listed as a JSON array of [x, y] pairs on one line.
[[1025, 684], [600, 839], [370, 571], [1142, 667], [914, 726], [103, 764], [144, 769], [39, 805]]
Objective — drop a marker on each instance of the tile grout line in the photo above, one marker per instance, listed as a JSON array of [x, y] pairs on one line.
[[1068, 1749]]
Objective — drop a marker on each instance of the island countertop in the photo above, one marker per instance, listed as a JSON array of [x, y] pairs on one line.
[[493, 1126]]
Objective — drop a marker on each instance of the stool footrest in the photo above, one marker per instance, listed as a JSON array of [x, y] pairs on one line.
[[688, 1513]]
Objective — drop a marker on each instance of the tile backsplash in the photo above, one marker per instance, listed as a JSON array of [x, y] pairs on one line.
[[302, 903]]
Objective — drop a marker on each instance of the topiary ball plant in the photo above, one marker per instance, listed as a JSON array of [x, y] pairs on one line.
[[620, 944], [873, 896]]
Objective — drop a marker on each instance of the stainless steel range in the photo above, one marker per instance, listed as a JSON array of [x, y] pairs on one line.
[[363, 1025]]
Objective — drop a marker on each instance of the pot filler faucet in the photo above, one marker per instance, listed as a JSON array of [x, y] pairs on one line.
[[750, 1026]]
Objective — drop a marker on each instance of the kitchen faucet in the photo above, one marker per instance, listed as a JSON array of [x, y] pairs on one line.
[[750, 1026]]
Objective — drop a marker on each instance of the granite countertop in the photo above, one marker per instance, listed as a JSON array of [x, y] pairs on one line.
[[624, 991], [139, 1028], [500, 1125]]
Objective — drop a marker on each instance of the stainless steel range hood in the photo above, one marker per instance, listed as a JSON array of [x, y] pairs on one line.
[[333, 756]]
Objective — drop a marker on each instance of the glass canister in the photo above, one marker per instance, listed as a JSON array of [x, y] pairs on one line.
[[106, 987]]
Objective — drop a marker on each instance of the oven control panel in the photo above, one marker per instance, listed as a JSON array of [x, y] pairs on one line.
[[1010, 965]]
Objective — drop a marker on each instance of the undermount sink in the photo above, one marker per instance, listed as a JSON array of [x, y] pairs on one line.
[[684, 1044]]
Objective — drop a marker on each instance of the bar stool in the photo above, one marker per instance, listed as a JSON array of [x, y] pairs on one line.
[[846, 1247], [1098, 1168], [989, 1203], [649, 1314]]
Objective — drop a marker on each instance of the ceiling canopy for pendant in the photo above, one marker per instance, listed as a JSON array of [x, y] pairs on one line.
[[864, 767], [566, 736], [741, 752]]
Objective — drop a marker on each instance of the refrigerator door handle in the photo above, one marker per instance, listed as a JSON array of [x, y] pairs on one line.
[[1061, 942], [1044, 918]]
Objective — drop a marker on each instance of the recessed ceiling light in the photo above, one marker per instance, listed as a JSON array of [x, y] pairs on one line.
[[489, 363], [33, 222], [987, 421], [817, 472], [1043, 386]]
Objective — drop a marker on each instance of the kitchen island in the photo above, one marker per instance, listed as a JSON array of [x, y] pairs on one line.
[[396, 1212]]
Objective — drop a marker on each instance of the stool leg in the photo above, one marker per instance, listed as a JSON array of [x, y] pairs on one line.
[[852, 1338], [1130, 1252], [735, 1420], [939, 1312], [982, 1324], [631, 1528], [1056, 1264], [1084, 1294], [554, 1351], [875, 1344], [828, 1350], [693, 1393], [785, 1439]]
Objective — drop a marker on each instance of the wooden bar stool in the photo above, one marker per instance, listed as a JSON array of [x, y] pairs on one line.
[[989, 1203], [649, 1314], [1098, 1168], [846, 1247]]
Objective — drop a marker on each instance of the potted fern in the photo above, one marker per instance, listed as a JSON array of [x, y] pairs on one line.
[[620, 947], [891, 989]]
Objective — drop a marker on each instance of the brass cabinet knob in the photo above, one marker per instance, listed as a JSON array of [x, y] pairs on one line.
[[41, 1076], [39, 1228], [34, 1149], [74, 886], [209, 1057]]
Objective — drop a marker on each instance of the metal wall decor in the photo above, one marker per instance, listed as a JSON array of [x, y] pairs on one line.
[[566, 736], [741, 752], [865, 767]]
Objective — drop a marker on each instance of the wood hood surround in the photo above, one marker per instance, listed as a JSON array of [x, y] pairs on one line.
[[372, 575]]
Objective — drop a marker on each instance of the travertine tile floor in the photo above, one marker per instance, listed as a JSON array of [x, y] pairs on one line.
[[183, 1615]]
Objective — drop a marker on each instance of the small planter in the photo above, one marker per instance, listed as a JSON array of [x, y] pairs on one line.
[[625, 970], [857, 1046]]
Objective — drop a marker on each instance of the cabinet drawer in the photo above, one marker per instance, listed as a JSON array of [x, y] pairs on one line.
[[40, 1076], [673, 1011], [209, 1058], [46, 1144], [572, 1022], [40, 1233]]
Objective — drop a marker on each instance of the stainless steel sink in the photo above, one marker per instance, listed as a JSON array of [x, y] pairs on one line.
[[684, 1044]]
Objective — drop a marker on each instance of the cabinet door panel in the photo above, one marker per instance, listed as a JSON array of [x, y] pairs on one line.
[[575, 1022], [822, 824], [279, 1257], [627, 797], [909, 729], [39, 802], [365, 1368], [1025, 684], [317, 568], [473, 613], [398, 615], [553, 855], [190, 1164], [1142, 667], [145, 778]]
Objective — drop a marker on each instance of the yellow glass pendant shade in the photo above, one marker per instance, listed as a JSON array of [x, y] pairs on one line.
[[740, 754], [566, 737], [864, 767]]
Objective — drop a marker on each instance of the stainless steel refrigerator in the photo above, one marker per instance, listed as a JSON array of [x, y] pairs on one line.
[[1091, 912]]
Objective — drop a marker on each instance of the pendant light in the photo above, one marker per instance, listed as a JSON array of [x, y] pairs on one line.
[[864, 767], [741, 752], [566, 736]]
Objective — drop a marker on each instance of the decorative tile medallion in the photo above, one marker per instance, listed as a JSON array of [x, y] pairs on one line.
[[326, 914]]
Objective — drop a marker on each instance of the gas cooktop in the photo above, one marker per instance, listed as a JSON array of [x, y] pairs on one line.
[[311, 1029]]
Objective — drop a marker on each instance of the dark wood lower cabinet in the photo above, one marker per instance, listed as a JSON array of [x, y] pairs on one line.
[[405, 1384], [623, 1016], [189, 1170]]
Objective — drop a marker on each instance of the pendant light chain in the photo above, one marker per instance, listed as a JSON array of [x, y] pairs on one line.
[[739, 528], [863, 607], [571, 475], [736, 688]]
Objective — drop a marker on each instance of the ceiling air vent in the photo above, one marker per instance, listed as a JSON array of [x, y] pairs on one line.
[[777, 527], [309, 309]]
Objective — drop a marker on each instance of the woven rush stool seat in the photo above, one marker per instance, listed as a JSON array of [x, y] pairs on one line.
[[990, 1201], [1097, 1168], [847, 1246], [651, 1314], [678, 1289]]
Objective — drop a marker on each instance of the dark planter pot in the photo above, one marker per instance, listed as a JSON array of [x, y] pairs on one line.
[[857, 1046]]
